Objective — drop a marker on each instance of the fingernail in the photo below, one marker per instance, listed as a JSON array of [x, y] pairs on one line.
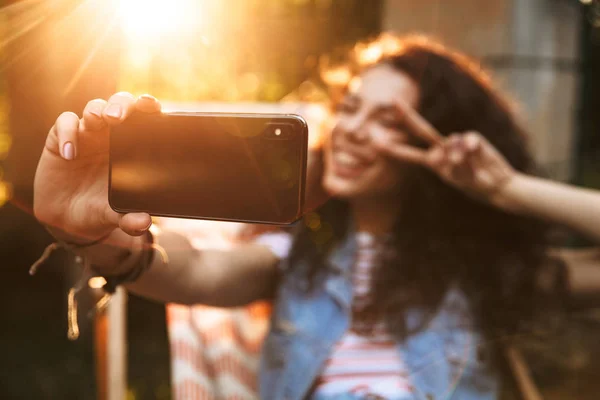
[[114, 111], [472, 143], [68, 152], [97, 112], [148, 97]]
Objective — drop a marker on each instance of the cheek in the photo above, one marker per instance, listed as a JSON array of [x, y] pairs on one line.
[[399, 136], [335, 125], [386, 176]]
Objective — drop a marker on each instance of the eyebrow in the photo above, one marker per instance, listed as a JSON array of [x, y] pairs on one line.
[[387, 108]]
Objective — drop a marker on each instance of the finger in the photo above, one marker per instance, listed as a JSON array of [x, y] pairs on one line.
[[406, 153], [455, 150], [62, 139], [472, 141], [119, 107], [111, 217], [436, 157], [462, 172], [148, 104], [417, 124], [473, 145], [388, 144], [135, 224], [92, 115], [462, 169]]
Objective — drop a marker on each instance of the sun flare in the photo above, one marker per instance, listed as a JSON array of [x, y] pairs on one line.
[[157, 19]]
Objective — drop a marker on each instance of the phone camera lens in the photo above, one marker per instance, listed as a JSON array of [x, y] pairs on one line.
[[278, 132]]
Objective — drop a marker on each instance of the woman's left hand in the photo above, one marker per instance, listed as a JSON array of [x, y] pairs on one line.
[[464, 160]]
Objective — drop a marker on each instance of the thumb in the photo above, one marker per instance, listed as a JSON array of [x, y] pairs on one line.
[[135, 224]]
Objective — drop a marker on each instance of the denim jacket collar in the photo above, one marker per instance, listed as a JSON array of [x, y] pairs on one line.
[[339, 269]]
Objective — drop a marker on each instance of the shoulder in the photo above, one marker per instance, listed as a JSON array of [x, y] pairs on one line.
[[278, 242]]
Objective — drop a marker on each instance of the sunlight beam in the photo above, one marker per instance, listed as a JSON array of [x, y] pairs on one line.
[[88, 59], [149, 20]]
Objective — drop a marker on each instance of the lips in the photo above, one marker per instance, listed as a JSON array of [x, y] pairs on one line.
[[350, 164]]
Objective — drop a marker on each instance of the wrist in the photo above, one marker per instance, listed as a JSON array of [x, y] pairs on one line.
[[75, 241], [117, 255], [110, 250], [507, 197], [133, 267]]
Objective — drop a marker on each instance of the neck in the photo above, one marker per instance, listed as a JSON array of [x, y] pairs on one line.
[[376, 216]]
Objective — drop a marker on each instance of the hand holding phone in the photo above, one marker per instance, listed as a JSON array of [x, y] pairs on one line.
[[71, 181], [229, 167]]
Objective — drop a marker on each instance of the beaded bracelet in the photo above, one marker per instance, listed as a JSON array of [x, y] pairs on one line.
[[143, 263]]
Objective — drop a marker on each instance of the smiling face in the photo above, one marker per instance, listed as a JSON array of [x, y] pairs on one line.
[[353, 168]]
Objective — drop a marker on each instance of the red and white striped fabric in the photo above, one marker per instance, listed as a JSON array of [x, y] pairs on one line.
[[367, 366], [366, 362], [214, 352]]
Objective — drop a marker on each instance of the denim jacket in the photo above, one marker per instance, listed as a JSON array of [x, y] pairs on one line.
[[446, 359]]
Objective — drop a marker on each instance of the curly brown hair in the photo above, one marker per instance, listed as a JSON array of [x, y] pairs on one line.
[[442, 236]]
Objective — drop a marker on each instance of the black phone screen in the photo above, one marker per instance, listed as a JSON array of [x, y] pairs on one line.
[[235, 167]]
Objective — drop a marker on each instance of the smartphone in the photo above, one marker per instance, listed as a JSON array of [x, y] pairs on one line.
[[214, 166]]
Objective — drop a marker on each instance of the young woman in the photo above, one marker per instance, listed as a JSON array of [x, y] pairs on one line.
[[399, 287]]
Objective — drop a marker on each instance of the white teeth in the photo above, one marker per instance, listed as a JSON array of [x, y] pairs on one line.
[[346, 159]]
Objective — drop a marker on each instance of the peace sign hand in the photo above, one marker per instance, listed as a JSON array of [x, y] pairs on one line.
[[466, 161]]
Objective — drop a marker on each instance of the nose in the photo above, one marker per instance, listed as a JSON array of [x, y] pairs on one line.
[[355, 128]]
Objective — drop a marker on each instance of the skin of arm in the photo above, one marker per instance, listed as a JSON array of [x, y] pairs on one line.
[[562, 204], [222, 278], [573, 207]]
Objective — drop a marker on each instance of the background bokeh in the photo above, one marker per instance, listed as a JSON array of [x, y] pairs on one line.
[[55, 55]]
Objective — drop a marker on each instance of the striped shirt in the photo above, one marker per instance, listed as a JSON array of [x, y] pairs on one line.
[[366, 361]]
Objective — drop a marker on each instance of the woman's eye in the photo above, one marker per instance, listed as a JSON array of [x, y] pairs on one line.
[[390, 123], [345, 108]]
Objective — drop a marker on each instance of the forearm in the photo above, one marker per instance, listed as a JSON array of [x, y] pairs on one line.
[[190, 276], [572, 207], [112, 255], [211, 277]]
